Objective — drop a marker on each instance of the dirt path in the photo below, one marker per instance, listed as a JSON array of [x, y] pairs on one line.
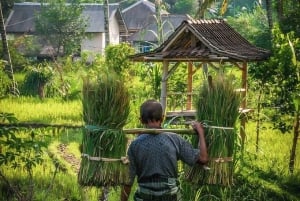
[[69, 157]]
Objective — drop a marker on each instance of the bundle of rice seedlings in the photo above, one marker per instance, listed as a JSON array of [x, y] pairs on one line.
[[218, 107], [105, 111]]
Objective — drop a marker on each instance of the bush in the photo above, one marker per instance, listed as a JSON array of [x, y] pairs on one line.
[[17, 59], [4, 80], [38, 81]]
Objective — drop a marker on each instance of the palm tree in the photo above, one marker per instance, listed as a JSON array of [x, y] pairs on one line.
[[203, 5], [158, 19]]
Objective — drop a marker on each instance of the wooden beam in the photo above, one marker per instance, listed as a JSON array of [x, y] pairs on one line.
[[189, 86], [244, 102], [164, 82], [172, 70]]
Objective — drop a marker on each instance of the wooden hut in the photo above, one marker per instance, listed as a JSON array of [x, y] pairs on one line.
[[210, 42]]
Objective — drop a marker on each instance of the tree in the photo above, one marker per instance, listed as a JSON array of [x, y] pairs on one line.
[[289, 16], [158, 20], [182, 6], [281, 75], [204, 5], [6, 54], [6, 7], [61, 25]]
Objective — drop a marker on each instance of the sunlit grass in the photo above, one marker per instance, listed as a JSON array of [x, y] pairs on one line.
[[54, 111], [273, 149]]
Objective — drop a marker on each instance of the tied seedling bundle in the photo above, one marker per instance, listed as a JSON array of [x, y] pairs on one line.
[[105, 111], [218, 108]]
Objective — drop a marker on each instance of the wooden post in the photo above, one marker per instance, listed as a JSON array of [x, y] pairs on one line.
[[189, 86], [164, 82], [244, 102]]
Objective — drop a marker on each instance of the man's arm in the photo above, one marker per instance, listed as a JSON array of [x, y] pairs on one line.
[[203, 157], [125, 192]]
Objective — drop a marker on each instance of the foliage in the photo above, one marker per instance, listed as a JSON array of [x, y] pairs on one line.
[[283, 78], [254, 26], [116, 57], [19, 150], [17, 59], [183, 7], [4, 80], [37, 80], [290, 22], [6, 7], [62, 25]]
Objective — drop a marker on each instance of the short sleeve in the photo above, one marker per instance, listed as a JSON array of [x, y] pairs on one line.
[[187, 153]]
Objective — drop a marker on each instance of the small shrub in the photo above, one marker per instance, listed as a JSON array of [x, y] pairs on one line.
[[4, 80], [38, 81]]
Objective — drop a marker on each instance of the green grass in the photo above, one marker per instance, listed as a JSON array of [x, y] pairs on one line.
[[54, 111], [259, 176]]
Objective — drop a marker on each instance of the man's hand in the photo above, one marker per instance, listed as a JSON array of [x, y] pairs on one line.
[[203, 157], [197, 126]]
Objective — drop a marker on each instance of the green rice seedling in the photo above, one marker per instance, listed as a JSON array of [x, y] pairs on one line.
[[105, 111], [218, 108]]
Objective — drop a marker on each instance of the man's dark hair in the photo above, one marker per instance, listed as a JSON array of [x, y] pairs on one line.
[[151, 110]]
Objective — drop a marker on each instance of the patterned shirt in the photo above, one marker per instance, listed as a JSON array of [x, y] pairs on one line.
[[154, 155]]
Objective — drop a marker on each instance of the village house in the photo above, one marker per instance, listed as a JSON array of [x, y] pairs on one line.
[[135, 24], [21, 22], [142, 25]]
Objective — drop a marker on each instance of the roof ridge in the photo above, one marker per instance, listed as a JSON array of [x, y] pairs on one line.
[[204, 21], [137, 3]]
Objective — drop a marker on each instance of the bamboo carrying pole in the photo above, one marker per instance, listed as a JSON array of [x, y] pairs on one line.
[[126, 131]]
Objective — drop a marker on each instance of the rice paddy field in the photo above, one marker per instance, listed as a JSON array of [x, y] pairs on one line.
[[260, 174]]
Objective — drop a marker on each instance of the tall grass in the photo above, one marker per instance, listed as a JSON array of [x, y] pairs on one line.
[[105, 111], [217, 106]]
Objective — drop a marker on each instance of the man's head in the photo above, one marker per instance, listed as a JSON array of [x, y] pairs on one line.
[[151, 111]]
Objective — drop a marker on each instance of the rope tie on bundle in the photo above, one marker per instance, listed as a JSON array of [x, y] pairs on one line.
[[93, 128], [205, 125], [123, 159], [222, 159]]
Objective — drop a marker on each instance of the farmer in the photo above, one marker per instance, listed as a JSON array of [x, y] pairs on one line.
[[153, 158]]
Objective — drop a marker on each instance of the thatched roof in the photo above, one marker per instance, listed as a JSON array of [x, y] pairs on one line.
[[22, 17], [205, 40]]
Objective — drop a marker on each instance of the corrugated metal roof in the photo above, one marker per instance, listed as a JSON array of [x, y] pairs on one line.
[[140, 14], [22, 17], [205, 40], [169, 23]]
